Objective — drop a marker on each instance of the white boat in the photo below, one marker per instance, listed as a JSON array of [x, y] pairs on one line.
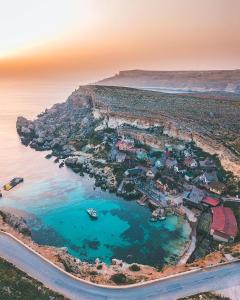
[[92, 213]]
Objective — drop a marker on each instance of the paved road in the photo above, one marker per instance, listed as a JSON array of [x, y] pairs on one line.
[[167, 289]]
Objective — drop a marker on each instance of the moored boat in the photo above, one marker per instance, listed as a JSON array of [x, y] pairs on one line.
[[92, 213], [61, 164], [12, 183]]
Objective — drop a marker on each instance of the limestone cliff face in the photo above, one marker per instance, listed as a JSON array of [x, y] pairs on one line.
[[118, 112], [207, 122], [228, 160]]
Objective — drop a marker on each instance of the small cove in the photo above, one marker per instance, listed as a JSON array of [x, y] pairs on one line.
[[59, 198]]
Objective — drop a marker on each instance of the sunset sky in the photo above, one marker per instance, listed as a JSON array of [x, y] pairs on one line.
[[92, 39]]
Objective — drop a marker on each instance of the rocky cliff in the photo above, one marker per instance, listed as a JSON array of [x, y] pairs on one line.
[[212, 123]]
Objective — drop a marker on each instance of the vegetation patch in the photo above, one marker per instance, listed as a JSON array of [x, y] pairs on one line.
[[119, 278], [205, 296], [134, 268], [15, 284]]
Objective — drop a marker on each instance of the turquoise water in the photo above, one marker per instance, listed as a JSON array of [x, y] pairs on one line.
[[59, 198]]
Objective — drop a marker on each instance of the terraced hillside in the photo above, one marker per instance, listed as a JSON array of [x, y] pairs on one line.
[[15, 284], [212, 122]]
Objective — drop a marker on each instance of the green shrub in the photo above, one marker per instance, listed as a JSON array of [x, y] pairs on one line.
[[99, 267], [134, 268], [129, 187], [93, 273], [119, 278]]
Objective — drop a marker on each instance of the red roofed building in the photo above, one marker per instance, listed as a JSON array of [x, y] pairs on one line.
[[211, 201], [190, 162], [124, 145], [224, 225]]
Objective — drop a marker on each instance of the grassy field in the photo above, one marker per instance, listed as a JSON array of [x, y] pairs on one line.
[[15, 284]]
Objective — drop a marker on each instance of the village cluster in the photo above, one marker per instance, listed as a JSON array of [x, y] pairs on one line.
[[176, 178]]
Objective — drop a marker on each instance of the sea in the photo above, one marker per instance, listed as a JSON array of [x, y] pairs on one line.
[[57, 199]]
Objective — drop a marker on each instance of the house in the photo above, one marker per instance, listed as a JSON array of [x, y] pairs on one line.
[[194, 198], [208, 177], [217, 187], [112, 154], [134, 172], [141, 154], [120, 157], [150, 174], [168, 148], [157, 199], [161, 186], [224, 225], [159, 163], [209, 201], [207, 164], [171, 163], [190, 162], [124, 145], [179, 168], [115, 155], [187, 153], [179, 147], [188, 176], [172, 185], [156, 153]]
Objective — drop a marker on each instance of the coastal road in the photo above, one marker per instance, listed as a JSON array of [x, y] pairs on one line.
[[172, 288]]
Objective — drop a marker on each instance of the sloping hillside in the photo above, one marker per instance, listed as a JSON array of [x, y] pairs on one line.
[[212, 122], [222, 80]]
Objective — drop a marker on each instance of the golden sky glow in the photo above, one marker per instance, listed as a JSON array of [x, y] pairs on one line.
[[94, 38]]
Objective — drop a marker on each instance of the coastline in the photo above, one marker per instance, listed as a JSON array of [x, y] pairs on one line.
[[92, 273], [85, 131]]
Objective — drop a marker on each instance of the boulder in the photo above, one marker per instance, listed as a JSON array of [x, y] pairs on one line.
[[71, 161], [25, 128], [18, 223]]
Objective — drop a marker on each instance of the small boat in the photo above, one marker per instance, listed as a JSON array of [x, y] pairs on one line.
[[92, 213], [56, 160], [61, 164], [153, 220], [162, 218], [12, 183]]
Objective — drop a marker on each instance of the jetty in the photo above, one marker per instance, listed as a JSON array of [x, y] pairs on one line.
[[143, 200]]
